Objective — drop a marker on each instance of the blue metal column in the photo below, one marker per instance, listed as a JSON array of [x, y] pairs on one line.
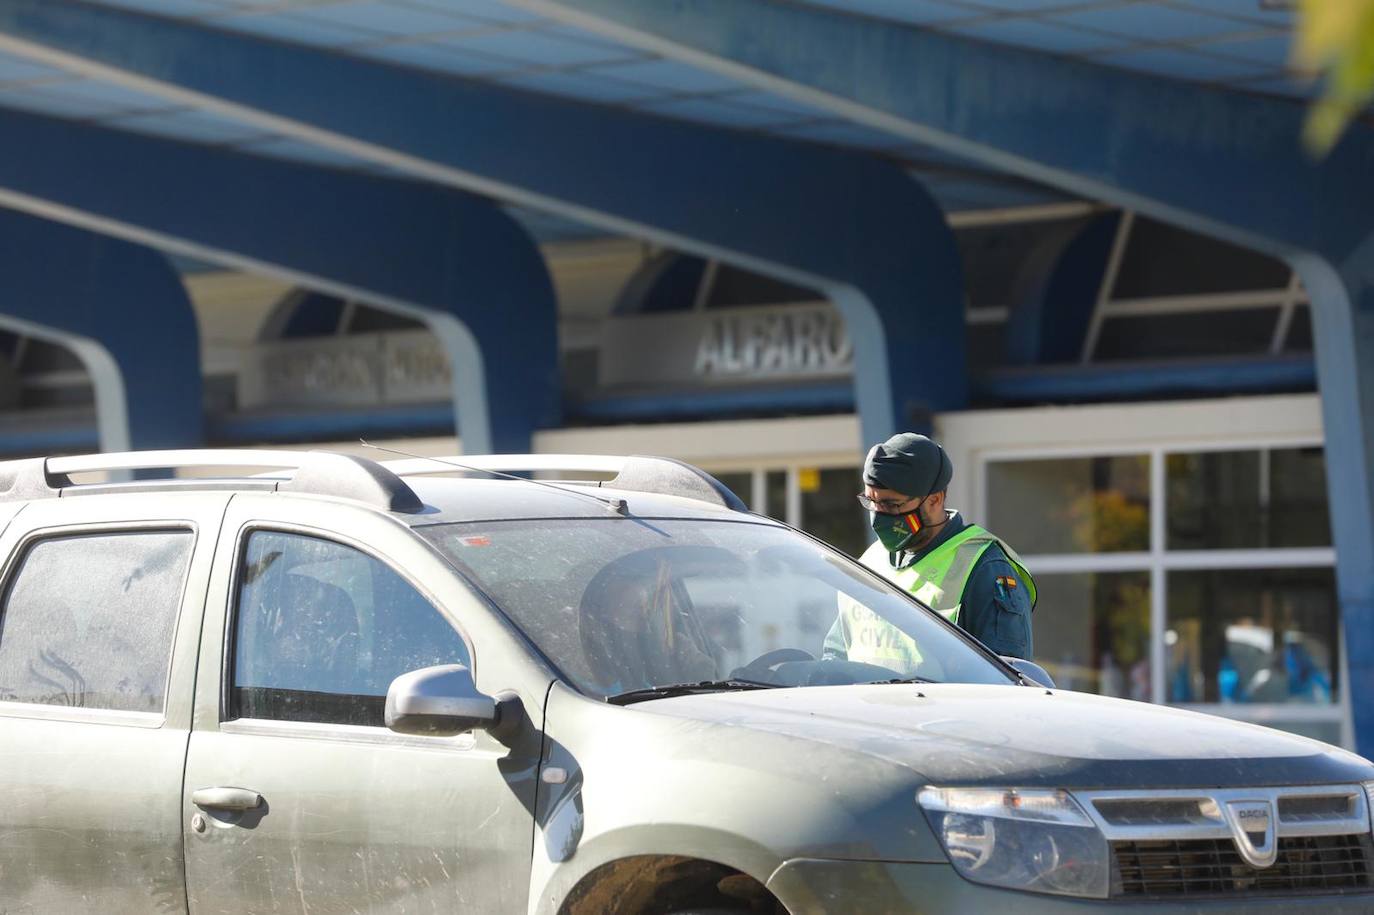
[[1343, 332], [123, 310], [856, 227], [456, 262], [1050, 320]]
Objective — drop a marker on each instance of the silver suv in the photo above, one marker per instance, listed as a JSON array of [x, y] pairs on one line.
[[348, 686]]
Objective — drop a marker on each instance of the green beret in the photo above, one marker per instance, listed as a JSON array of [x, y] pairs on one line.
[[910, 464]]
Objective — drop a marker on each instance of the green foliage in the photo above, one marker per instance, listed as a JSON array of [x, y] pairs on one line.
[[1336, 38]]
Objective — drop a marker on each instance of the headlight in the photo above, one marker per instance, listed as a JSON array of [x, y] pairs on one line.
[[1040, 841]]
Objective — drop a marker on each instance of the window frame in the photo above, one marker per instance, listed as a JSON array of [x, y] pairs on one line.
[[791, 467], [13, 564], [229, 637], [1159, 561], [1286, 299]]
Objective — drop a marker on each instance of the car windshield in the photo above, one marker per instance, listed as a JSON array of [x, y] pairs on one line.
[[626, 604]]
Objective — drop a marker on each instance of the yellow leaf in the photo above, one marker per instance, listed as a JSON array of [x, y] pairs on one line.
[[1335, 38], [1325, 28], [1325, 122]]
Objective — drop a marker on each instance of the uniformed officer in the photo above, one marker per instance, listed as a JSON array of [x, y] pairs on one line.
[[958, 569]]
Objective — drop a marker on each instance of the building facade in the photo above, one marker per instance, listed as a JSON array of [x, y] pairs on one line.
[[1144, 427]]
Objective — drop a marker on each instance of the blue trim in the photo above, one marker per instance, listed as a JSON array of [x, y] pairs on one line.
[[1041, 384], [59, 438], [1145, 381], [336, 425], [435, 419], [837, 397]]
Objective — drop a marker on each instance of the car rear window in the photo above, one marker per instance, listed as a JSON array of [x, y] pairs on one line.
[[88, 620]]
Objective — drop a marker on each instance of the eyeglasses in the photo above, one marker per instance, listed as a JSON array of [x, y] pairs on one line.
[[886, 506]]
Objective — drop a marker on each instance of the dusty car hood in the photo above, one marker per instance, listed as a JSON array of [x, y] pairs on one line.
[[1010, 735]]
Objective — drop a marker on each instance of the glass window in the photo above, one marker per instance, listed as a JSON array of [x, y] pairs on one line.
[[775, 494], [620, 605], [1252, 635], [1230, 332], [305, 313], [1265, 636], [367, 320], [995, 257], [741, 484], [733, 287], [1163, 260], [1299, 339], [1247, 499], [1071, 505], [322, 629], [829, 509], [986, 346], [42, 356], [88, 620], [1092, 632]]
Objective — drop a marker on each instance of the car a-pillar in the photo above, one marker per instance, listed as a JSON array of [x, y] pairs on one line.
[[122, 310]]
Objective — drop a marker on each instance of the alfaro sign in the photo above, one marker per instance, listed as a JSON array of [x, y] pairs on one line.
[[356, 370], [769, 343]]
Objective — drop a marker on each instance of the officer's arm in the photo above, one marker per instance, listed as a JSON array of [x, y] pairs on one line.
[[836, 645], [996, 608]]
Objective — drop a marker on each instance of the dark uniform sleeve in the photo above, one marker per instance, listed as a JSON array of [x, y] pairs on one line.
[[998, 612]]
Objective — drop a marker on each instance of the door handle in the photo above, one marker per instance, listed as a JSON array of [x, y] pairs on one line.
[[226, 798]]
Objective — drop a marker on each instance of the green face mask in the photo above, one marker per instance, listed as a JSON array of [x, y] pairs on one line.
[[895, 532]]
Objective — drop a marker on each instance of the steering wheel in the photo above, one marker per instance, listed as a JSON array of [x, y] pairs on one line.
[[761, 666]]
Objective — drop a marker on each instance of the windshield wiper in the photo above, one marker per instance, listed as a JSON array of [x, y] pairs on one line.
[[905, 680], [686, 689]]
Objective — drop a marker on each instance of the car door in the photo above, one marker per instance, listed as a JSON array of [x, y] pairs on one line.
[[99, 622], [352, 817]]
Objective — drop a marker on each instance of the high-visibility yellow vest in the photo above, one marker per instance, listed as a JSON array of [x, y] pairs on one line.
[[936, 579]]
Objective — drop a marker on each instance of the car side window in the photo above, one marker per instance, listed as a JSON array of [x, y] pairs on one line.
[[321, 630], [88, 620]]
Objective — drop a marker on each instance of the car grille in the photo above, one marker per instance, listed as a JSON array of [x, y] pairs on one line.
[[1212, 867]]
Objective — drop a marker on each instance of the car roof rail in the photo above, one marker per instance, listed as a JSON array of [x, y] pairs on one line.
[[315, 472], [633, 473]]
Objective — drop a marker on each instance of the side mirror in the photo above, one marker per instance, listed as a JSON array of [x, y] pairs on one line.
[[1028, 669], [439, 702]]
